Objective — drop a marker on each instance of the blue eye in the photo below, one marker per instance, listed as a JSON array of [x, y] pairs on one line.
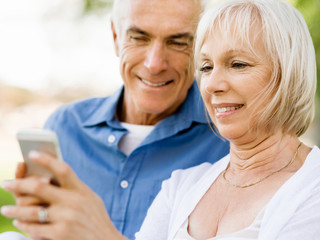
[[206, 69]]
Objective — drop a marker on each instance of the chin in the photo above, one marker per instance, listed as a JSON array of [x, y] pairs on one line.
[[230, 133]]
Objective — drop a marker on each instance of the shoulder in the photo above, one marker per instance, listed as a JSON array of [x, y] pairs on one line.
[[182, 180], [315, 153], [79, 111], [82, 108], [189, 174]]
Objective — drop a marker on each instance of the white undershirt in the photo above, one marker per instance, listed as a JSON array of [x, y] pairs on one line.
[[136, 134]]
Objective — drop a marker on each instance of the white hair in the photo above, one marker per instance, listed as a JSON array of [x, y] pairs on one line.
[[116, 9], [287, 39]]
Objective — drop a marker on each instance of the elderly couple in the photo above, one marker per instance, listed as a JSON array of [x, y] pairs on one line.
[[254, 62]]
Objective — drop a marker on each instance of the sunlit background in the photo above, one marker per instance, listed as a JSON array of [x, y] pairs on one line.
[[56, 51]]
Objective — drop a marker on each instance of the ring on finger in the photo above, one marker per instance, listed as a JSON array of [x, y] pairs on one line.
[[43, 215]]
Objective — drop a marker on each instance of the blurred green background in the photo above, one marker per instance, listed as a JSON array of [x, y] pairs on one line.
[[5, 224], [309, 8]]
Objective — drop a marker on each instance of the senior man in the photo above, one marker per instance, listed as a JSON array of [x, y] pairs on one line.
[[123, 146]]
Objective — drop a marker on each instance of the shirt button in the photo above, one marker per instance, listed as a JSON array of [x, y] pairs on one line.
[[124, 184], [111, 139]]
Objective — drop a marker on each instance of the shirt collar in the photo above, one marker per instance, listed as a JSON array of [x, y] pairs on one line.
[[106, 111], [191, 110]]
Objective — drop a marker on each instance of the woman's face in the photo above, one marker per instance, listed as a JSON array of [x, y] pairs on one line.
[[232, 75]]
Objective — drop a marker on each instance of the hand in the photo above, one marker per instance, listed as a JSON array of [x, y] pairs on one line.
[[74, 212], [25, 200]]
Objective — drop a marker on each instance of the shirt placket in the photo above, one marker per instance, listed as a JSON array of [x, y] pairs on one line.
[[123, 189]]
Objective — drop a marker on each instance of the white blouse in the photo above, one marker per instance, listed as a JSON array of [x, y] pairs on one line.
[[292, 213]]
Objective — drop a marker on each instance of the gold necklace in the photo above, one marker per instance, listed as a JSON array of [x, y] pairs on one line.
[[264, 178]]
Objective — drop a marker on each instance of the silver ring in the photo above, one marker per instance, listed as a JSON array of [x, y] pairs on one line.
[[43, 215]]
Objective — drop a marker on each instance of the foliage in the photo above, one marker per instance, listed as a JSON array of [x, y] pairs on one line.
[[311, 12], [6, 224], [91, 5]]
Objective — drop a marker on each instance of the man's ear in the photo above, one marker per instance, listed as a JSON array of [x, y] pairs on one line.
[[115, 39]]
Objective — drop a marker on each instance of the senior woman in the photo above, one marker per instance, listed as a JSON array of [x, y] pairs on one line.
[[257, 75]]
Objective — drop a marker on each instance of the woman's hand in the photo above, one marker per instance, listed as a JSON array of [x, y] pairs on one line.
[[72, 210]]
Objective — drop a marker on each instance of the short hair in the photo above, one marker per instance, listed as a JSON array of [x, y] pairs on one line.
[[117, 7], [286, 38]]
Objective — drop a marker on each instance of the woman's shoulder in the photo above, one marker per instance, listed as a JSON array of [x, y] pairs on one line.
[[312, 161], [315, 152], [183, 179]]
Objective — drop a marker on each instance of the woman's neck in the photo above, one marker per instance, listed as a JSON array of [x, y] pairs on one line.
[[262, 155]]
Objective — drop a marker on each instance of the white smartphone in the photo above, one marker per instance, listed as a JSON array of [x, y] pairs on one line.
[[39, 140]]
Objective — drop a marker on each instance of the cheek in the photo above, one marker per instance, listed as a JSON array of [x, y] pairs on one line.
[[129, 58], [181, 62], [202, 86], [206, 99]]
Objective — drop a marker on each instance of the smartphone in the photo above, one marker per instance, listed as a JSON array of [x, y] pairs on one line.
[[39, 140]]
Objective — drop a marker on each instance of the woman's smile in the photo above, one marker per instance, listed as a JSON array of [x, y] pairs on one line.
[[226, 109]]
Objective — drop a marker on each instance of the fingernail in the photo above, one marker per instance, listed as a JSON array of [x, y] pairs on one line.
[[15, 223], [5, 209], [45, 180], [33, 154], [6, 184]]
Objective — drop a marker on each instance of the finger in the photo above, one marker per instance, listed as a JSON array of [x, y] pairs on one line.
[[64, 174], [27, 200], [18, 195], [36, 187], [21, 170], [30, 213], [37, 231]]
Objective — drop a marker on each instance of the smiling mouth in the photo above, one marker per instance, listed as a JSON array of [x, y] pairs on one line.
[[160, 84], [228, 109]]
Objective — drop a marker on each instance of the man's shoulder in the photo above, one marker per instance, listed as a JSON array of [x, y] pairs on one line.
[[82, 108], [79, 112]]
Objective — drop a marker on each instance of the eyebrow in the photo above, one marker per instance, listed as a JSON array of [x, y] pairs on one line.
[[137, 30], [203, 55], [182, 35], [232, 51], [134, 29], [229, 52]]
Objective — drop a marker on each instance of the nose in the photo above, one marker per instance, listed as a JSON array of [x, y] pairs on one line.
[[156, 59], [216, 83]]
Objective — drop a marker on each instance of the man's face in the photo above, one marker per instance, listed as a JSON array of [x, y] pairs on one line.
[[154, 42]]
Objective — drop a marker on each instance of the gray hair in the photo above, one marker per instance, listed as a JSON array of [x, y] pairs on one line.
[[287, 40], [116, 9]]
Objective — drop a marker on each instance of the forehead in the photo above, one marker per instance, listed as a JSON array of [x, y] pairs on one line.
[[159, 17], [234, 37]]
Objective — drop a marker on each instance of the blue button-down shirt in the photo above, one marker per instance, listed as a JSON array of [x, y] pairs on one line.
[[89, 135]]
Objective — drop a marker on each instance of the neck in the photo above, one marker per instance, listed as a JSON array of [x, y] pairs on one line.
[[262, 155], [142, 118], [129, 113]]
